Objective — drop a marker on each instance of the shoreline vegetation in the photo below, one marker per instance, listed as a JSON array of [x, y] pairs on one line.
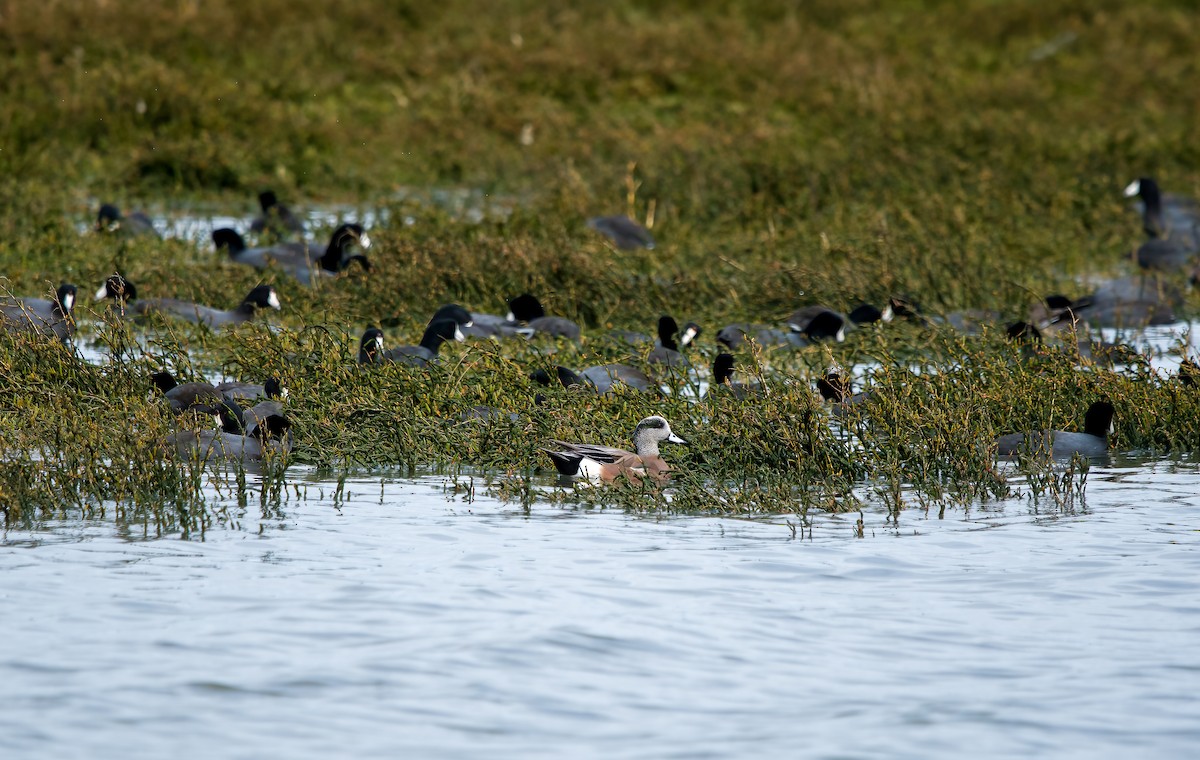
[[962, 156]]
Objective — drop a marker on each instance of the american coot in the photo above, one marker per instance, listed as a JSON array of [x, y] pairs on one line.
[[270, 439], [625, 233], [1189, 373], [276, 219], [120, 290], [371, 351], [602, 379], [1093, 442], [261, 297], [198, 397], [866, 314], [723, 379], [818, 323], [527, 309], [667, 352], [135, 224], [835, 388], [495, 327], [39, 315], [1174, 254], [1163, 215], [736, 335], [896, 307], [236, 391], [300, 260], [1127, 302], [607, 463]]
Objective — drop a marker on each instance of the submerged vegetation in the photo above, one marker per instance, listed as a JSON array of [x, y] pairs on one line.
[[959, 155]]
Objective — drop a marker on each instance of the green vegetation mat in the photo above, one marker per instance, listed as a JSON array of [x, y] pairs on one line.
[[965, 155]]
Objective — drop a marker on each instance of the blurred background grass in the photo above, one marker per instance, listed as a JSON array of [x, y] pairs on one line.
[[959, 152]]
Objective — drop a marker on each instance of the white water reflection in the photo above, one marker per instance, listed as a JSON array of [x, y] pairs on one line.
[[196, 222]]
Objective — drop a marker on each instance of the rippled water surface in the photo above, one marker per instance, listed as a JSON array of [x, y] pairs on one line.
[[403, 622]]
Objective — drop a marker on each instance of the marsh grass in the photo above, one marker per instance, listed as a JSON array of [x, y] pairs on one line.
[[832, 152]]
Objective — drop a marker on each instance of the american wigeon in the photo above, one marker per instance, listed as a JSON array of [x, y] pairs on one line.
[[302, 261], [1163, 215], [625, 233], [261, 297], [606, 463], [1093, 442], [371, 351], [526, 309], [135, 224], [53, 318], [276, 219]]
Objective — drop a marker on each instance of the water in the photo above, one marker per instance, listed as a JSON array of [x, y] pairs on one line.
[[195, 222], [403, 621]]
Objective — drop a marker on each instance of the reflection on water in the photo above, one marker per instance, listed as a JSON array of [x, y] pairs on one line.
[[196, 222], [403, 621]]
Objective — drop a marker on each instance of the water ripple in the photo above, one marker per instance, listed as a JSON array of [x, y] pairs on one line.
[[399, 623]]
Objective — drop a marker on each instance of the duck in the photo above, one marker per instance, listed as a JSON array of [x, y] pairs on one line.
[[269, 439], [1127, 302], [1174, 254], [199, 396], [604, 378], [300, 260], [526, 309], [236, 391], [371, 351], [736, 335], [458, 314], [818, 323], [667, 351], [836, 390], [495, 327], [723, 379], [868, 314], [276, 218], [1060, 444], [1163, 214], [52, 318], [606, 463], [119, 289], [1189, 373], [625, 233], [260, 297], [136, 224]]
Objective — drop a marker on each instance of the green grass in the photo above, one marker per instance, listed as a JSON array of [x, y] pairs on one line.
[[967, 155]]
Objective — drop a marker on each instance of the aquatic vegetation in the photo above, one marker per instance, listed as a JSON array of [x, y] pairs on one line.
[[832, 154]]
